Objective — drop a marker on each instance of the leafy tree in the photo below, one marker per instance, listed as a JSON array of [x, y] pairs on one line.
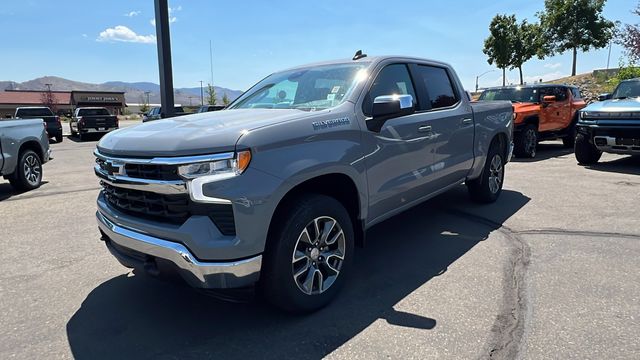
[[211, 95], [629, 37], [525, 44], [499, 45], [225, 100], [574, 25]]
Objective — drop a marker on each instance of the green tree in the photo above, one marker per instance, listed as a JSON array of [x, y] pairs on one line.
[[574, 25], [499, 45], [525, 45], [225, 100], [211, 95]]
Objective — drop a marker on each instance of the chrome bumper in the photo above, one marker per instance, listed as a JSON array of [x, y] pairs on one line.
[[608, 144], [208, 275]]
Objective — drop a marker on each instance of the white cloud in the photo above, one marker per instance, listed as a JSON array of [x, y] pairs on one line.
[[85, 35], [552, 65], [124, 34], [171, 21], [132, 13]]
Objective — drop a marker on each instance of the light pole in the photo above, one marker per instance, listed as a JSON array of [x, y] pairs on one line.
[[201, 94], [609, 57], [481, 75], [48, 87], [147, 93]]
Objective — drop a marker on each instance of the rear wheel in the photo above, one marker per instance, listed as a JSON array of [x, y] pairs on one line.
[[526, 142], [586, 153], [309, 254], [487, 188], [28, 173], [59, 138], [569, 141]]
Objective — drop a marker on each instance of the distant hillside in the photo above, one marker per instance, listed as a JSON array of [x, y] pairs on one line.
[[134, 91]]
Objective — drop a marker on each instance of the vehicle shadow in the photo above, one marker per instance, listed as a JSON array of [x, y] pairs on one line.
[[546, 151], [7, 191], [138, 317], [625, 165], [86, 138]]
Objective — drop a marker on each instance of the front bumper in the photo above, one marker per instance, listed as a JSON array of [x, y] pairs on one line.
[[613, 138], [200, 274]]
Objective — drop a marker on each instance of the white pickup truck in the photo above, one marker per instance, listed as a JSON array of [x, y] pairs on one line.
[[24, 147]]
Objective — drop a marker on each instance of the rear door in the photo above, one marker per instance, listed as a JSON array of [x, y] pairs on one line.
[[552, 115], [450, 119]]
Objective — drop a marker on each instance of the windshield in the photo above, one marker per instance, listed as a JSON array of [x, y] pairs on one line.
[[34, 112], [92, 112], [627, 89], [309, 89], [516, 94]]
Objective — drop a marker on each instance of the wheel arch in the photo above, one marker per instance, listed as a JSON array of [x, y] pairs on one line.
[[32, 145], [336, 185]]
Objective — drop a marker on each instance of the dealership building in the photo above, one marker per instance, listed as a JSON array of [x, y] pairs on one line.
[[64, 102]]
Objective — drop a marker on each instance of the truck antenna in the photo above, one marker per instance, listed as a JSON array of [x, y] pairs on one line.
[[359, 55]]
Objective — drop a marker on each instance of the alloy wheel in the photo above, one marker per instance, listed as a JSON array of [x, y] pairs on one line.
[[496, 174], [32, 169], [531, 142], [318, 255]]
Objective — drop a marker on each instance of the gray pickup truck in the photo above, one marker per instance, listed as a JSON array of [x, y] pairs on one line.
[[24, 147], [610, 125], [278, 189]]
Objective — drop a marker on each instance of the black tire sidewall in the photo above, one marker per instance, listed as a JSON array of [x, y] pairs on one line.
[[585, 152], [520, 142], [277, 282], [479, 188]]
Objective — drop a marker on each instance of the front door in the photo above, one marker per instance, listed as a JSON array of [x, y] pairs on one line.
[[399, 157]]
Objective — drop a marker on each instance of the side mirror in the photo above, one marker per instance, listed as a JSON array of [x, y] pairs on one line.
[[548, 99], [387, 107], [603, 97]]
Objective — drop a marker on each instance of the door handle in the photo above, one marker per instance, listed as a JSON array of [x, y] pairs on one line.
[[424, 128], [467, 121]]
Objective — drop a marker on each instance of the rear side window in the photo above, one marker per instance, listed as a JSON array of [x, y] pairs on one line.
[[576, 93], [93, 112], [392, 80], [34, 112], [439, 87]]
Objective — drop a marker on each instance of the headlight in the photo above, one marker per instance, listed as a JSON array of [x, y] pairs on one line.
[[217, 170]]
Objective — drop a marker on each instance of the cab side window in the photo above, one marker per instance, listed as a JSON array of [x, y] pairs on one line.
[[438, 85], [392, 80], [560, 93]]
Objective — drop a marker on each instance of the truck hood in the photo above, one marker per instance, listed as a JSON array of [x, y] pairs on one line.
[[196, 134], [616, 105]]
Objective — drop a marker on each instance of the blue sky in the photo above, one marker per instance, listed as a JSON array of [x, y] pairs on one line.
[[83, 40]]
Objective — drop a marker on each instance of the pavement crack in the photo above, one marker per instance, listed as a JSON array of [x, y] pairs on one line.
[[555, 231], [508, 328]]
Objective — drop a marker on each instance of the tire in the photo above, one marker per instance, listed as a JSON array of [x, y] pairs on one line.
[[59, 138], [586, 153], [73, 133], [526, 142], [488, 187], [289, 278], [28, 173], [81, 137], [569, 141]]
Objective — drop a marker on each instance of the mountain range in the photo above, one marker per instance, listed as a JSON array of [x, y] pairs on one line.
[[135, 92]]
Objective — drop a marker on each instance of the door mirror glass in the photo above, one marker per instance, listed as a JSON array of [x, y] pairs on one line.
[[603, 97]]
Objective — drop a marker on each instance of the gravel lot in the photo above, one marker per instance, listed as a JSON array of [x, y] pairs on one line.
[[549, 271]]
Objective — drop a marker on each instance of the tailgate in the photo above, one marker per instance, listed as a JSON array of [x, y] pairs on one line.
[[99, 122]]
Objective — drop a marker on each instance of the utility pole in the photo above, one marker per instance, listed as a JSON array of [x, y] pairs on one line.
[[201, 94], [211, 60], [481, 75], [164, 58], [609, 57], [147, 93]]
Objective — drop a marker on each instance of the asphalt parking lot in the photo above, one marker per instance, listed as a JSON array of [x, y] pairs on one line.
[[549, 271]]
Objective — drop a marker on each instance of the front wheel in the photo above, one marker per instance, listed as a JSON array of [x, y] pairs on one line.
[[487, 188], [586, 153], [28, 173], [309, 254]]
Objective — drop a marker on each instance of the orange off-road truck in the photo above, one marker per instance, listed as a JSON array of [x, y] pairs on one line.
[[542, 112]]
